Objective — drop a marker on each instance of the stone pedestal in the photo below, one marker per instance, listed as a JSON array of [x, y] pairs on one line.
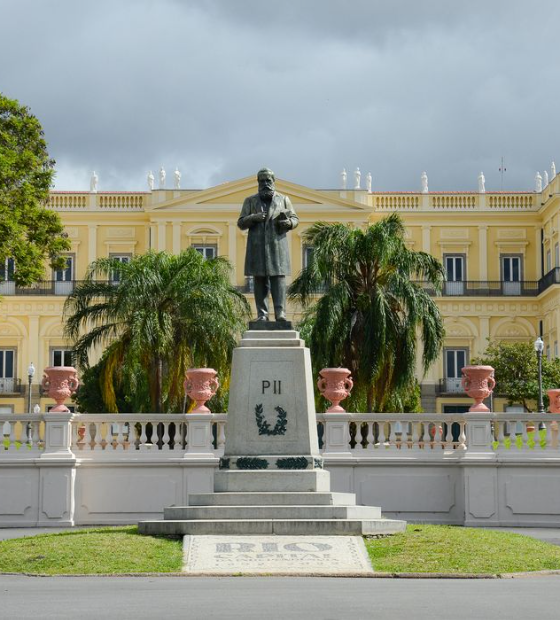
[[271, 478]]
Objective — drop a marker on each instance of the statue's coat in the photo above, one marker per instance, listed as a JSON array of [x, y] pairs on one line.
[[267, 248]]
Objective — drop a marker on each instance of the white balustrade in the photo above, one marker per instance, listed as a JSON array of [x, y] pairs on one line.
[[122, 436], [22, 434]]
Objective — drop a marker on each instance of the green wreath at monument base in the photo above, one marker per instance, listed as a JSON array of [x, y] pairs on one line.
[[264, 426]]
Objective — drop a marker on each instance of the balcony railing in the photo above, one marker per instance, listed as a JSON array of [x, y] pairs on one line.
[[10, 385], [450, 385], [465, 288], [45, 287], [488, 288]]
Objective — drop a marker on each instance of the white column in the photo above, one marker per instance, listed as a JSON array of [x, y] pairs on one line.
[[232, 250], [161, 228], [176, 237], [483, 252], [92, 243], [426, 238]]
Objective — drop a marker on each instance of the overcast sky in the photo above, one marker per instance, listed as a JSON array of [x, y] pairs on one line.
[[221, 88]]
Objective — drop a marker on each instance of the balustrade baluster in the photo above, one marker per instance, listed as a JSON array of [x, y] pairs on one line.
[[130, 443], [381, 434], [35, 435], [462, 435], [437, 435], [96, 438], [448, 444], [108, 436], [524, 435], [415, 434], [512, 434], [143, 436], [390, 437], [120, 436], [422, 428], [221, 435], [370, 436], [501, 434], [547, 437], [165, 445], [11, 435]]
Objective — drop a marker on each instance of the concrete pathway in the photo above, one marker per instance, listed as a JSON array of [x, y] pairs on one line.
[[22, 532], [547, 534], [288, 598]]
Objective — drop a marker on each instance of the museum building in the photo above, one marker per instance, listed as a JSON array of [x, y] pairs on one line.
[[500, 250]]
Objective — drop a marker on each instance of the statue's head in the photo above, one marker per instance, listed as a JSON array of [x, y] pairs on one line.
[[265, 178]]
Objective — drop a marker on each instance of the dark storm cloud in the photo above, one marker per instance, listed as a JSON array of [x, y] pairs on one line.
[[223, 87]]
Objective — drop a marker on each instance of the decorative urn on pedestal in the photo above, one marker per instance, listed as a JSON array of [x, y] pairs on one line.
[[478, 382], [335, 385], [60, 382], [554, 398], [201, 384], [554, 407]]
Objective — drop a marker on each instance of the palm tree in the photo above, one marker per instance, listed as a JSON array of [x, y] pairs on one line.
[[372, 309], [157, 315]]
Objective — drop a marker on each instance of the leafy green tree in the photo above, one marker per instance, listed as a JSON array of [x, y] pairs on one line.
[[372, 309], [89, 397], [157, 315], [516, 372], [30, 233]]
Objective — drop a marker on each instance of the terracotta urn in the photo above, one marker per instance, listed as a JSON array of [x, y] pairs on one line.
[[478, 382], [201, 384], [60, 382], [554, 397], [554, 407], [335, 385]]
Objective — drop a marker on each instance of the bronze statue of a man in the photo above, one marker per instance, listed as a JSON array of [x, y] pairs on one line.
[[269, 216]]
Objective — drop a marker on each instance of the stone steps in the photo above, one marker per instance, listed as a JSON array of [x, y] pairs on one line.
[[272, 499], [288, 527], [188, 513]]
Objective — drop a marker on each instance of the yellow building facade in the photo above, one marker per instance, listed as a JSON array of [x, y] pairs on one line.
[[500, 250]]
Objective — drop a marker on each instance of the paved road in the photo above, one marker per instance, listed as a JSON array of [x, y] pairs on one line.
[[263, 598]]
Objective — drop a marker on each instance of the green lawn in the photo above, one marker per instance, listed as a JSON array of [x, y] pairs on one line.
[[109, 550], [422, 549], [449, 549]]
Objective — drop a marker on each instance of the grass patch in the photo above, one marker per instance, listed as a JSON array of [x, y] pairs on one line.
[[450, 549], [109, 550], [422, 549]]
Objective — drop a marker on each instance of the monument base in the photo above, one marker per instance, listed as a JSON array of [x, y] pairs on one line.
[[271, 479], [270, 325]]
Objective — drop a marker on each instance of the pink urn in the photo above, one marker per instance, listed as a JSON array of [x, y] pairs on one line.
[[554, 397], [201, 384], [335, 385], [60, 382], [478, 382]]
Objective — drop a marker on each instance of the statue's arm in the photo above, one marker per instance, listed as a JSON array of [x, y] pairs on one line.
[[292, 217], [245, 220]]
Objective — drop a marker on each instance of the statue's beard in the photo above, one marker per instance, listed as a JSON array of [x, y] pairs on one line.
[[266, 193]]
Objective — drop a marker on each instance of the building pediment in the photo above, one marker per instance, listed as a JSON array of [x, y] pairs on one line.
[[233, 193]]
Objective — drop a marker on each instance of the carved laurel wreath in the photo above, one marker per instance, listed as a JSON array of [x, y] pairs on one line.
[[264, 426]]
